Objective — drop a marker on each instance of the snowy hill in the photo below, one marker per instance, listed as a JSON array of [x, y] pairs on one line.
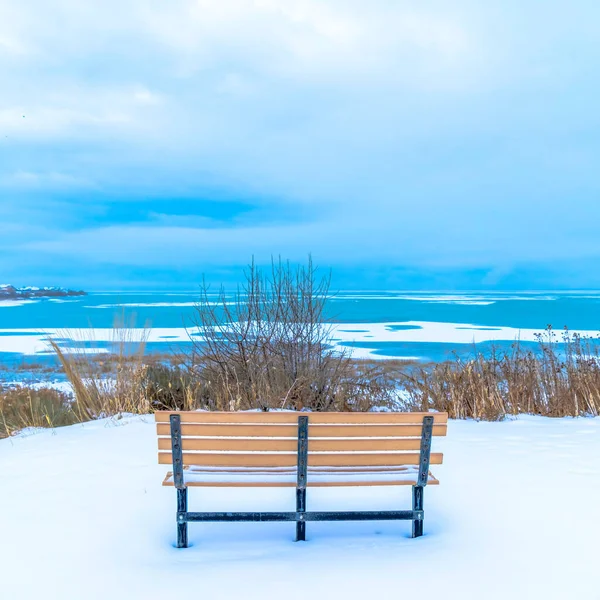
[[515, 517]]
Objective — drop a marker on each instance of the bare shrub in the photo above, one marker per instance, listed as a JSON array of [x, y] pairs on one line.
[[172, 387], [272, 347]]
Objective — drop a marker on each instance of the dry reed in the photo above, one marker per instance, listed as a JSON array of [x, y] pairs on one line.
[[22, 407], [111, 386], [561, 378]]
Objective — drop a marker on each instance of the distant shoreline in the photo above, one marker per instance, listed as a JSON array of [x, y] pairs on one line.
[[10, 292]]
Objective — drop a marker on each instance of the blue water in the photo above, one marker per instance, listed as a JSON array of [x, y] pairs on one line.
[[490, 312]]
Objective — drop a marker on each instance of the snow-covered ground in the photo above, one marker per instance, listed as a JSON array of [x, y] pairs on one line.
[[83, 516]]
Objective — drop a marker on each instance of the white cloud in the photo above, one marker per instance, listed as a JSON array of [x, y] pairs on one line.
[[71, 112], [11, 46], [143, 95], [44, 181], [312, 41]]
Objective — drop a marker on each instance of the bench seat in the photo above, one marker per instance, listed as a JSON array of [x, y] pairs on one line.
[[287, 477]]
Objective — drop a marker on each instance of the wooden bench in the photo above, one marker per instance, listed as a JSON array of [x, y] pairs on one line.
[[298, 449]]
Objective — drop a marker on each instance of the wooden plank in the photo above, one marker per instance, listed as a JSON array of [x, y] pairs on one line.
[[287, 460], [370, 418], [292, 417], [363, 445], [291, 444], [292, 470], [290, 430], [238, 460], [229, 417]]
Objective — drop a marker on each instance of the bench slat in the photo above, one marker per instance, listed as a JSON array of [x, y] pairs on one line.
[[292, 470], [288, 460], [292, 417], [291, 430], [291, 444]]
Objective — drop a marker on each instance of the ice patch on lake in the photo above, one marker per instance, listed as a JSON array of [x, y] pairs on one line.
[[462, 299], [15, 303], [435, 332], [31, 342], [151, 305], [74, 350], [480, 328]]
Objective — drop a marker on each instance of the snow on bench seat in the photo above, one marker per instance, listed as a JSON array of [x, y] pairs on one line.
[[285, 477]]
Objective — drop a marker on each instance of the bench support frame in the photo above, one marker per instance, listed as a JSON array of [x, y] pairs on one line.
[[302, 477], [300, 515], [418, 490]]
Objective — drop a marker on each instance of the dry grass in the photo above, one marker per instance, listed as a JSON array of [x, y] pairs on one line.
[[177, 387], [112, 386], [22, 407], [554, 381]]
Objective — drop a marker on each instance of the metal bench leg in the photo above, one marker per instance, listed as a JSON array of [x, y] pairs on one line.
[[423, 478], [417, 504], [302, 475], [177, 450], [300, 507], [182, 532]]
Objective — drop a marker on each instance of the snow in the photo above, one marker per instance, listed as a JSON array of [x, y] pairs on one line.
[[84, 515], [15, 303], [288, 476], [151, 305], [474, 299], [61, 386]]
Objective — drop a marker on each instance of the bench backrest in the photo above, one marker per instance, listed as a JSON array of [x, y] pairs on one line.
[[270, 439]]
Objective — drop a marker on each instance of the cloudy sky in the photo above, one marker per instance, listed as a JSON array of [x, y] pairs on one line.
[[405, 144]]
